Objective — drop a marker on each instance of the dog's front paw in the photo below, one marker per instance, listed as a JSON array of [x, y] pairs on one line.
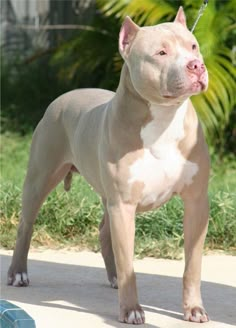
[[19, 279], [114, 283], [135, 316], [196, 314]]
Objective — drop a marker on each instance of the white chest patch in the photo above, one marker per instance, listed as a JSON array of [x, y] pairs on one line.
[[162, 169]]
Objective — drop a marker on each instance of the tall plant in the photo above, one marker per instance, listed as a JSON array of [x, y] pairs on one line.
[[95, 54], [214, 32]]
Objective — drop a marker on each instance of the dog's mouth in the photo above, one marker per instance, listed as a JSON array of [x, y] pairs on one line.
[[198, 86], [194, 88], [169, 97]]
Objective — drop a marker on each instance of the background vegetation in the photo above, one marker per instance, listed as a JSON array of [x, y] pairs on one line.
[[91, 59], [72, 219]]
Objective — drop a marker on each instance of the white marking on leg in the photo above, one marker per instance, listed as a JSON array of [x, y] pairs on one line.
[[21, 279], [138, 317], [17, 279], [131, 317], [25, 278]]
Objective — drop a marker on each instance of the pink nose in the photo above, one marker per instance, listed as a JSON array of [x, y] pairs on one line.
[[196, 66]]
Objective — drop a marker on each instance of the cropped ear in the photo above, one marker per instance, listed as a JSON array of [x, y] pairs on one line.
[[128, 32], [180, 17]]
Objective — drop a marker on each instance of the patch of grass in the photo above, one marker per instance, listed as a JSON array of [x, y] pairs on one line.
[[14, 153], [222, 224], [72, 219]]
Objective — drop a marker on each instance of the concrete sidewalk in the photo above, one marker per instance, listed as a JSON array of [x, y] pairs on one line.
[[69, 289]]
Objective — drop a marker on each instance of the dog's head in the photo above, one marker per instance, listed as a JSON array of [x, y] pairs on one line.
[[164, 61]]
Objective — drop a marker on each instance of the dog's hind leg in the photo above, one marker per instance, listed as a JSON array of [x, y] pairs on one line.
[[47, 167], [106, 245]]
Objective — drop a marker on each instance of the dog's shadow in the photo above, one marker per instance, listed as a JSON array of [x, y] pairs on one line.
[[85, 289]]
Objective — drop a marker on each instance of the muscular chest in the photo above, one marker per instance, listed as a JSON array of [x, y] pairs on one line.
[[162, 169]]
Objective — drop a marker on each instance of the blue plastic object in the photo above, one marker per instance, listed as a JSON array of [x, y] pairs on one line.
[[11, 316]]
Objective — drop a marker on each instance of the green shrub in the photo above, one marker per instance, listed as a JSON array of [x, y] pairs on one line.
[[72, 219], [27, 89]]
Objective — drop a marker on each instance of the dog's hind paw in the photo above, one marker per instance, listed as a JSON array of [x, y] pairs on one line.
[[136, 316], [19, 279], [196, 314]]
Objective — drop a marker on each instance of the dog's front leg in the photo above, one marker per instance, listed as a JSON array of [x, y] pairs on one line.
[[195, 229], [122, 224]]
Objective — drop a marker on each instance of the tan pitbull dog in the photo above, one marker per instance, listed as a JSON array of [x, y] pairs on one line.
[[137, 147]]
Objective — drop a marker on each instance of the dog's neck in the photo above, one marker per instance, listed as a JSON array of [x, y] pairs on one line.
[[127, 100], [126, 86], [132, 107]]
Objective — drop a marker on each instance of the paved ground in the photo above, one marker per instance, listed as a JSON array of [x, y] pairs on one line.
[[69, 289]]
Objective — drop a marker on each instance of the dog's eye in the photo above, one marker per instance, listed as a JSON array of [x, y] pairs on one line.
[[162, 53], [194, 46]]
